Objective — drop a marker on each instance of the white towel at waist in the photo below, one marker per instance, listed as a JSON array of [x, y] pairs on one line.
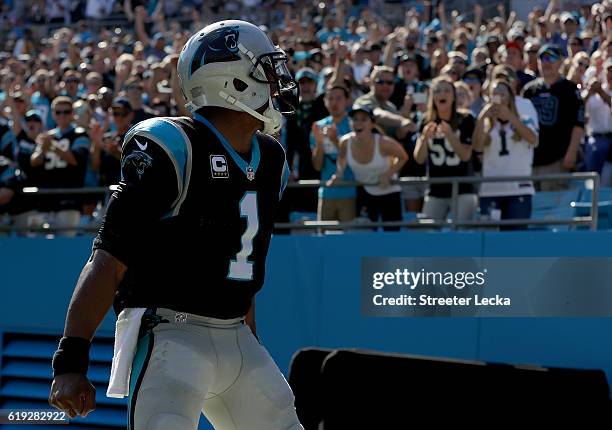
[[126, 339]]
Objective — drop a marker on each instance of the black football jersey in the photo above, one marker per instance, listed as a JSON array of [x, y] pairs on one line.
[[443, 161], [56, 172], [560, 109], [192, 219]]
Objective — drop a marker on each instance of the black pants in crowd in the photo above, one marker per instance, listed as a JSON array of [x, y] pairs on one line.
[[388, 207]]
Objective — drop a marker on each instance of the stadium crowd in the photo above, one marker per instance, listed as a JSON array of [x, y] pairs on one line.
[[386, 90]]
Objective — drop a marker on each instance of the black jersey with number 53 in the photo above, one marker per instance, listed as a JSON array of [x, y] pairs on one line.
[[192, 218]]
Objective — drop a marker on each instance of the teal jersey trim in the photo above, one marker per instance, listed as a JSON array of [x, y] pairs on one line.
[[243, 165]]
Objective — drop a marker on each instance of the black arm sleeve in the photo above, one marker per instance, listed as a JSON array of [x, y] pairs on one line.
[[147, 191]]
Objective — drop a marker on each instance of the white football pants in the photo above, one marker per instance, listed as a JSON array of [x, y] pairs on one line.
[[194, 364]]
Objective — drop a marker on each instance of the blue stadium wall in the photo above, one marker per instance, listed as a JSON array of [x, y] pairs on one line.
[[311, 297]]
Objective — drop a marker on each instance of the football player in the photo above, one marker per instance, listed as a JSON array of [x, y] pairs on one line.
[[183, 247]]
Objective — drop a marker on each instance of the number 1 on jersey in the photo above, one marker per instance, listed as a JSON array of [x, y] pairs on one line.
[[241, 269]]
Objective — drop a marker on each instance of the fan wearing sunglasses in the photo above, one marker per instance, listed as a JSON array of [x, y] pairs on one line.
[[61, 154], [561, 114], [106, 151], [386, 114]]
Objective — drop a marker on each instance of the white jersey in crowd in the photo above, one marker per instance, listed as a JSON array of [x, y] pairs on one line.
[[506, 156], [372, 171], [599, 114]]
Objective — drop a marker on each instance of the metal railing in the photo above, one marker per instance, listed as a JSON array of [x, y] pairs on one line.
[[453, 223], [423, 223]]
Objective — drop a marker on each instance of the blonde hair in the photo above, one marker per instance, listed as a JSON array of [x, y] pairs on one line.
[[466, 88], [511, 105]]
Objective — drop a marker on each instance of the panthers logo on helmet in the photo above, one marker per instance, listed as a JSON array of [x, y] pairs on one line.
[[220, 45], [135, 164]]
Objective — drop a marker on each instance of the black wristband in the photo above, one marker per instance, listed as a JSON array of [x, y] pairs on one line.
[[72, 356]]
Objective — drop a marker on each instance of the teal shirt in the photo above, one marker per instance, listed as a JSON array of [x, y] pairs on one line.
[[329, 162]]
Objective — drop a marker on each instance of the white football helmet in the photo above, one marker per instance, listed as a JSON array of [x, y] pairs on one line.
[[233, 64]]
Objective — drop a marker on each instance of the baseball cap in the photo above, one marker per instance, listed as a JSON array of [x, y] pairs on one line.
[[515, 33], [550, 50], [512, 44], [492, 38], [474, 73], [158, 36], [307, 73], [361, 108], [567, 16], [123, 102], [32, 114]]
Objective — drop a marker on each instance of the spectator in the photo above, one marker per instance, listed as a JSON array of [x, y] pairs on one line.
[[561, 117], [599, 126], [445, 143], [474, 78], [387, 116], [296, 139], [530, 58], [93, 83], [26, 142], [61, 154], [504, 142], [464, 96], [106, 149], [334, 203], [41, 98], [375, 160], [511, 55], [574, 46], [407, 80], [524, 106], [134, 91], [71, 85], [578, 67], [24, 45], [361, 65]]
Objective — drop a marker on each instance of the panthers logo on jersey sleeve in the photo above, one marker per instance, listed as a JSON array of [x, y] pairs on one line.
[[134, 165]]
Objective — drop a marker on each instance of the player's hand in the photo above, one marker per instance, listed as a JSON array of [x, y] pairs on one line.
[[73, 394]]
